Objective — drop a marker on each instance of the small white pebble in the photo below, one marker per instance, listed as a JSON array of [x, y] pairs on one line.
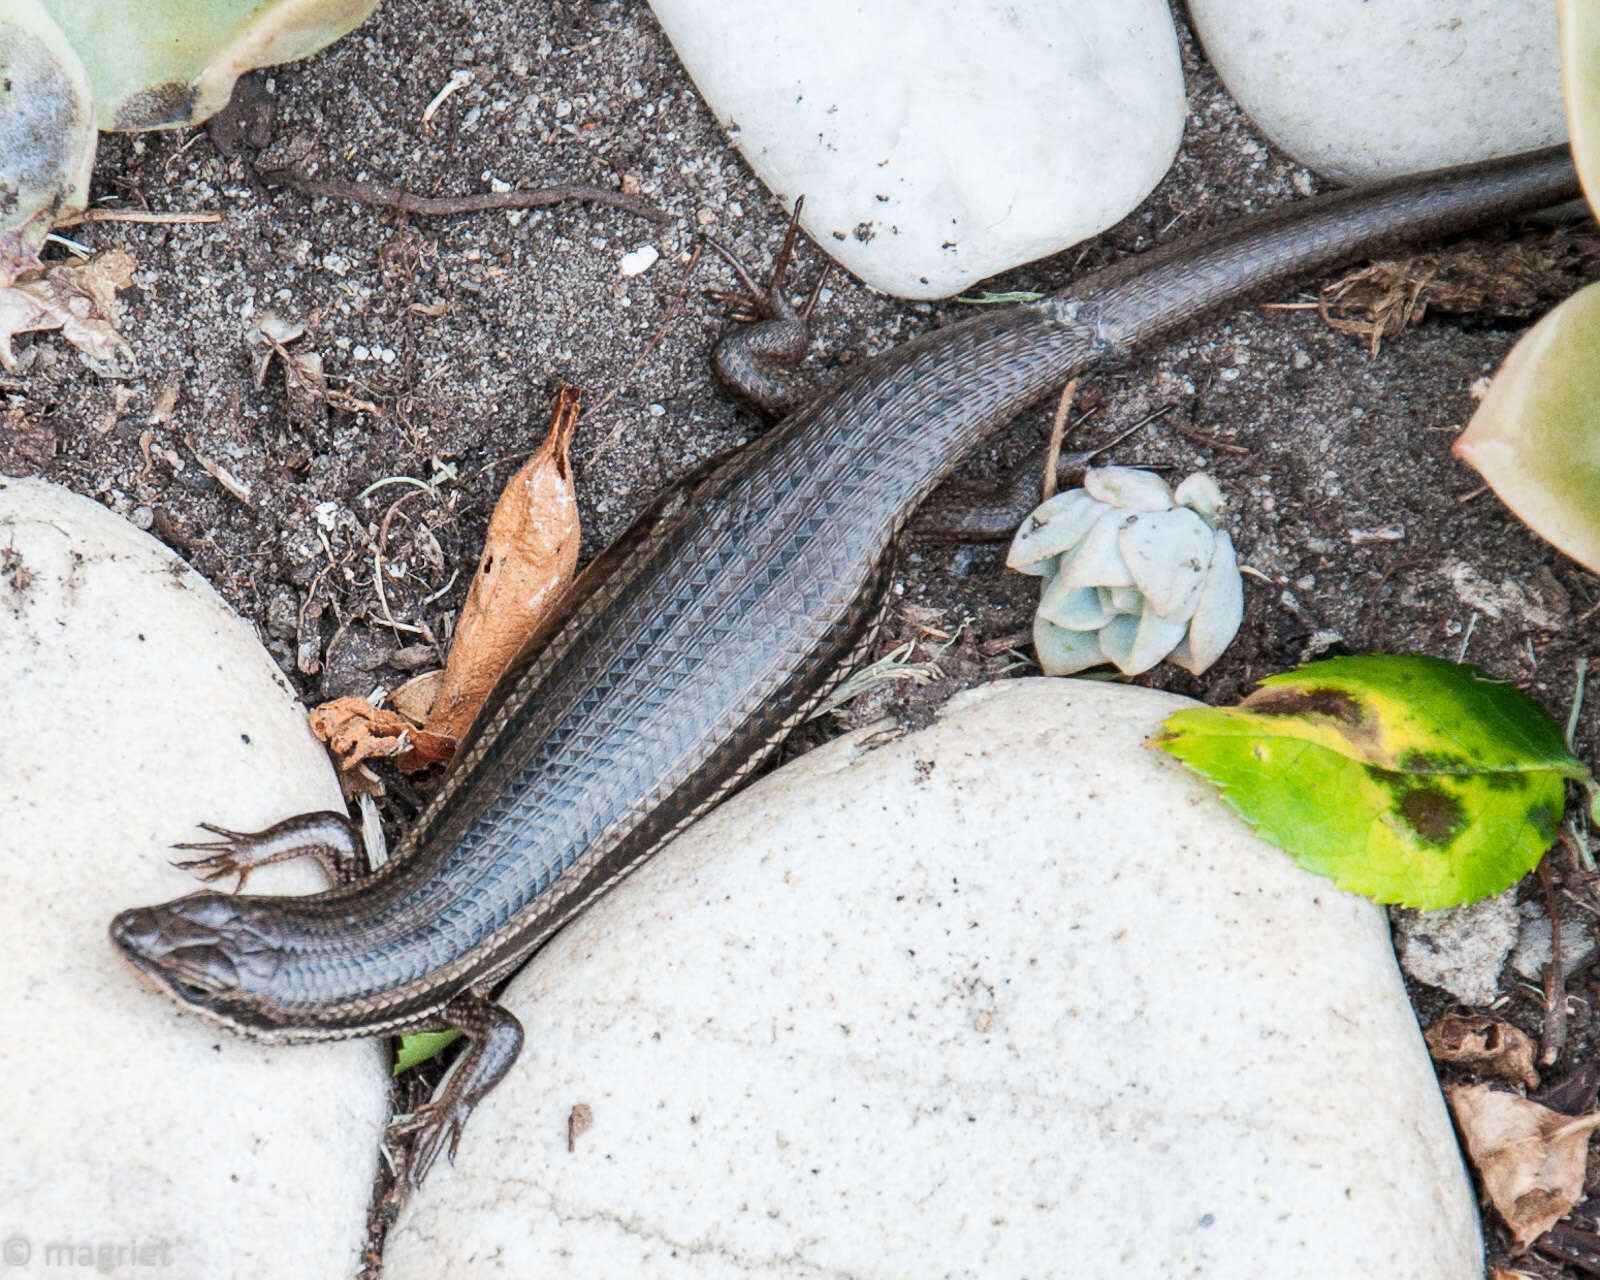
[[563, 109], [386, 354], [658, 411], [361, 353], [638, 261]]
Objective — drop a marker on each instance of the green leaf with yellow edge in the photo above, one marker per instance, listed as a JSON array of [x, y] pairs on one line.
[[1409, 779], [422, 1046]]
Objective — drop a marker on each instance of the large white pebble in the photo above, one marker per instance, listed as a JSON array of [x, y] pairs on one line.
[[1014, 995], [1333, 81], [937, 142], [135, 704]]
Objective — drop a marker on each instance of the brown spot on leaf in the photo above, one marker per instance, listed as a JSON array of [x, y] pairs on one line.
[[1434, 815], [1546, 821], [1327, 704]]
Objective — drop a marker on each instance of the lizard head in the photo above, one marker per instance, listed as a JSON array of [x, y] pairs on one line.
[[210, 952]]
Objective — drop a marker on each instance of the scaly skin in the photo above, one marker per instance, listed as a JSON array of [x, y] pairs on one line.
[[704, 635]]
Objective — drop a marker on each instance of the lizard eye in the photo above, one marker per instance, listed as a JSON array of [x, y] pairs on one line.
[[190, 992]]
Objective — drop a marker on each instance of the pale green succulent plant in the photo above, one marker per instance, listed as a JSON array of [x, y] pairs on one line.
[[1134, 572], [69, 67]]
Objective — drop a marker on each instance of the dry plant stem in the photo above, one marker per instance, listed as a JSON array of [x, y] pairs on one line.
[[655, 341], [1553, 1037], [1058, 428], [140, 215], [444, 206], [1211, 442]]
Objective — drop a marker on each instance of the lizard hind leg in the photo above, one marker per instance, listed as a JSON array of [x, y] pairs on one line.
[[756, 359]]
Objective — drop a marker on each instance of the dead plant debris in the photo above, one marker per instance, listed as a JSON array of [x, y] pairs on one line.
[[1532, 1160]]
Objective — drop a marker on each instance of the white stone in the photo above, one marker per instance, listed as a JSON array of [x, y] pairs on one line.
[[937, 142], [1460, 950], [1532, 952], [1012, 996], [637, 261], [1359, 90], [135, 704]]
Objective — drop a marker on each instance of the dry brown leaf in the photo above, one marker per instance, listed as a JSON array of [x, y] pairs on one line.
[[80, 299], [529, 554], [1532, 1160], [1481, 1041], [355, 730], [414, 699]]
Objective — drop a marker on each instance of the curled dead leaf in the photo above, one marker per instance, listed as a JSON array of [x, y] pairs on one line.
[[529, 554], [1480, 1041], [1532, 1160], [80, 299], [355, 731]]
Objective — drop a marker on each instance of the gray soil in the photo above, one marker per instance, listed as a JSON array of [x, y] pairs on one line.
[[1362, 532]]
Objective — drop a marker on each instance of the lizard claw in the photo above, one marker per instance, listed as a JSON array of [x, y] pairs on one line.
[[437, 1125], [232, 856]]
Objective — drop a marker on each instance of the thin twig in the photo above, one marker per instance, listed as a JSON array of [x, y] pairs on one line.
[[141, 215], [1189, 433], [1579, 686], [1553, 1037], [1058, 428], [655, 341], [444, 206]]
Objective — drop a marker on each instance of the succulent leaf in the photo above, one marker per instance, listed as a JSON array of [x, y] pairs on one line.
[[1097, 560], [1057, 525], [1065, 653], [1168, 553], [1536, 436], [1128, 487], [163, 63], [47, 133]]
